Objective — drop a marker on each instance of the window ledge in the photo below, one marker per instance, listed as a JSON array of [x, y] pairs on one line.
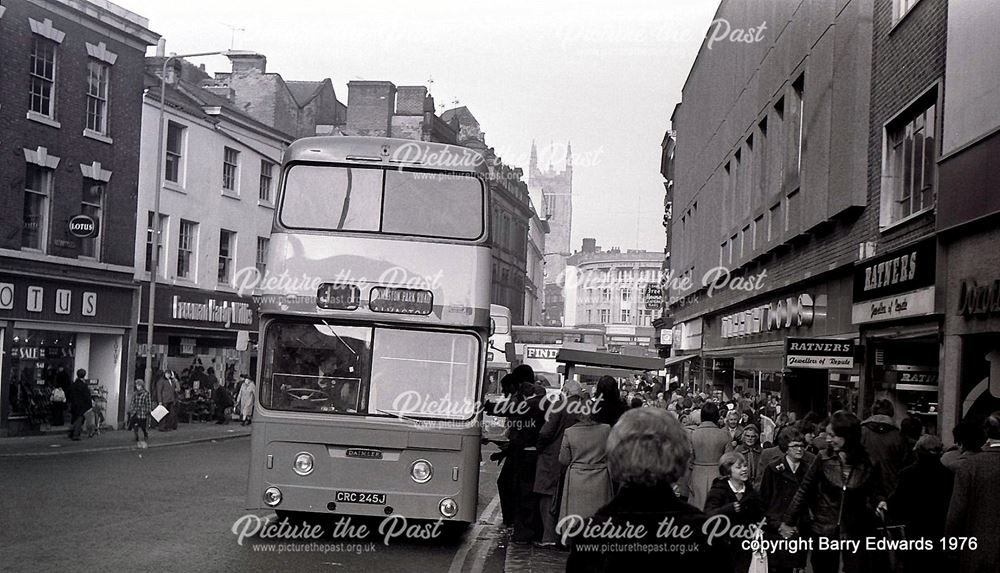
[[90, 133], [225, 288], [231, 194], [43, 119], [896, 224], [37, 255], [265, 204], [174, 187]]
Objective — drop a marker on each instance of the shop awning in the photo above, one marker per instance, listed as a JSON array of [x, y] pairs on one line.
[[598, 371], [678, 359], [608, 359]]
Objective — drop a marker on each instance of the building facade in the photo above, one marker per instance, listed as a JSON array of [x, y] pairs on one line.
[[770, 185], [557, 189], [899, 317], [968, 219], [534, 285], [217, 202], [511, 215], [70, 76], [609, 290]]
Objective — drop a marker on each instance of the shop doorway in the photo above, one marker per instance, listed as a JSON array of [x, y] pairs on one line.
[[805, 391]]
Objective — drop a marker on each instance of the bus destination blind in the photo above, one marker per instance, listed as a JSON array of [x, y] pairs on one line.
[[401, 301]]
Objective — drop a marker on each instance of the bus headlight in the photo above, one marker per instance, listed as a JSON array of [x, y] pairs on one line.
[[448, 507], [272, 496], [303, 464], [421, 471]]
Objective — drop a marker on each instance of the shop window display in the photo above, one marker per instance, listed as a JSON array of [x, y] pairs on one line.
[[39, 362]]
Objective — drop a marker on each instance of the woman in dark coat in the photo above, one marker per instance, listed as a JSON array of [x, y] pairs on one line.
[[920, 503], [732, 495], [560, 415], [844, 492], [780, 481], [610, 405], [647, 453]]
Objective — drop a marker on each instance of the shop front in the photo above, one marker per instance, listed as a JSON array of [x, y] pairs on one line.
[[685, 366], [972, 327], [204, 336], [748, 348], [894, 308], [51, 328]]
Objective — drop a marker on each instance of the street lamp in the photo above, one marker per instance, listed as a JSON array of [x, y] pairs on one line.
[[155, 256]]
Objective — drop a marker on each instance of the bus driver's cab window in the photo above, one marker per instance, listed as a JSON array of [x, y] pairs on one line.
[[316, 367]]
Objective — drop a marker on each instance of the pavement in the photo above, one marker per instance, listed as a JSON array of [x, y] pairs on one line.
[[54, 444], [531, 559]]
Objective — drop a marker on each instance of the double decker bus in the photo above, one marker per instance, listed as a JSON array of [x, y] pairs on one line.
[[374, 320]]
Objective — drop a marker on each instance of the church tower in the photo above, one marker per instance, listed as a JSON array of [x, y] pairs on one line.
[[557, 188]]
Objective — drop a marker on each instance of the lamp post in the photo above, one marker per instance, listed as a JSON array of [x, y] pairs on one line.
[[155, 256]]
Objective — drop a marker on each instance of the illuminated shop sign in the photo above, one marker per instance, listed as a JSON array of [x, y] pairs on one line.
[[790, 312], [819, 353]]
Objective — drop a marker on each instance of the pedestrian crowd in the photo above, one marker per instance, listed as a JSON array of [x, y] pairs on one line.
[[192, 386], [606, 474]]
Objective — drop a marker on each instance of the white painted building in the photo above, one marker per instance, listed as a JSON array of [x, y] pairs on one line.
[[221, 172]]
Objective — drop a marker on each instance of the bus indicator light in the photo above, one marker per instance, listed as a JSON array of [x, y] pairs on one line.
[[401, 301], [333, 296]]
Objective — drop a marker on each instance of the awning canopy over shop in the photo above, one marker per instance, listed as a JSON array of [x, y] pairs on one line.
[[678, 359], [599, 371], [573, 357]]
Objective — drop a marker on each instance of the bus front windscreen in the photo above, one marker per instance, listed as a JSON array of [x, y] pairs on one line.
[[338, 369], [371, 199]]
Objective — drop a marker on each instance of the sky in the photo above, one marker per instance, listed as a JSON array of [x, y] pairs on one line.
[[604, 76]]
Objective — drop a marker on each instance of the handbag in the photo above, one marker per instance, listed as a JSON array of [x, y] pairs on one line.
[[758, 561]]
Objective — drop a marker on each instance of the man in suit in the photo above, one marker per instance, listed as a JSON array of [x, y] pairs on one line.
[[975, 506]]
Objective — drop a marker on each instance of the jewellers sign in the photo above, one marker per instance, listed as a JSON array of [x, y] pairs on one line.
[[897, 272], [819, 353], [899, 284], [789, 312]]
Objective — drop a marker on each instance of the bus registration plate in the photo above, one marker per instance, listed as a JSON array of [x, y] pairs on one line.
[[360, 497]]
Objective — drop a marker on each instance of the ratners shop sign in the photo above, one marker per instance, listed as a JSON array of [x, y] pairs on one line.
[[819, 353]]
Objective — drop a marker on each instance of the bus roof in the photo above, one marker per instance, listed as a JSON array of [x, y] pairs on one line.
[[387, 151]]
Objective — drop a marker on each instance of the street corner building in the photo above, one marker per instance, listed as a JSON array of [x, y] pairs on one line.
[[70, 114]]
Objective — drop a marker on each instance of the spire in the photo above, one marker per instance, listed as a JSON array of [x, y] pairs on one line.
[[569, 156], [533, 162]]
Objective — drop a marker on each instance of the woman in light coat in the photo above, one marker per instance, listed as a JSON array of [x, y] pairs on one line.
[[708, 443], [248, 390], [587, 485]]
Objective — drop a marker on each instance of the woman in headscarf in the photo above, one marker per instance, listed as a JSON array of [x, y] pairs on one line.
[[583, 452], [246, 398], [647, 452], [609, 404]]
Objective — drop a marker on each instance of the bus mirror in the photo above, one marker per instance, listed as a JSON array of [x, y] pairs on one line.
[[510, 353], [493, 326]]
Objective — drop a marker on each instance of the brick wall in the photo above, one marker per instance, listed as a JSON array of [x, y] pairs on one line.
[[67, 141], [370, 106]]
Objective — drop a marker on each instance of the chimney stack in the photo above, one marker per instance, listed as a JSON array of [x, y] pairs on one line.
[[248, 63], [370, 106], [589, 245]]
